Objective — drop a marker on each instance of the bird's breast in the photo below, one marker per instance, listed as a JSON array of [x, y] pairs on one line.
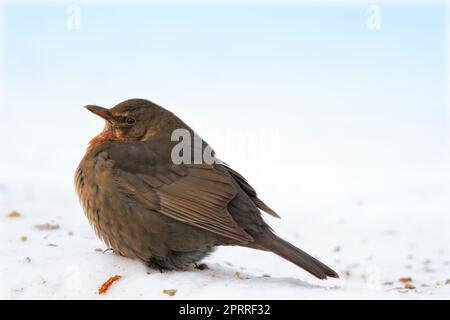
[[95, 188]]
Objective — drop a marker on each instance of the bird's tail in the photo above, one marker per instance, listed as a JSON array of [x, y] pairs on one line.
[[298, 257]]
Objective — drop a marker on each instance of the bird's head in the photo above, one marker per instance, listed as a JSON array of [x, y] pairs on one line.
[[135, 120]]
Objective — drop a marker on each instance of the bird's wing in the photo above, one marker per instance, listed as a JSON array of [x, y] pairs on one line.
[[194, 194], [250, 192]]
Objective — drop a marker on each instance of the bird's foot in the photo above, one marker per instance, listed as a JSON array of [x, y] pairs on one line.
[[201, 266], [155, 264]]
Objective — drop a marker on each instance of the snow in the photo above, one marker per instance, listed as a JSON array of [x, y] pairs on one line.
[[372, 254], [374, 224]]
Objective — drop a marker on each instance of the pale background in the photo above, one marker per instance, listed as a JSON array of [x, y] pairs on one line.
[[341, 123]]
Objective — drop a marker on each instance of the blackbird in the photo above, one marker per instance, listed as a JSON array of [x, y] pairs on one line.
[[170, 215]]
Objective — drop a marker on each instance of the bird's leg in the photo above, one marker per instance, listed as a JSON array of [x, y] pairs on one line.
[[155, 264], [201, 266]]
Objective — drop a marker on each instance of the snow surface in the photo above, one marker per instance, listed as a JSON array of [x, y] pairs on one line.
[[374, 223]]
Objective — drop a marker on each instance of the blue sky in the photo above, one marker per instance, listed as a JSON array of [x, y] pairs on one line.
[[294, 50], [313, 70]]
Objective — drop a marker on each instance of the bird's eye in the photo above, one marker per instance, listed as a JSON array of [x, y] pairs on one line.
[[130, 120]]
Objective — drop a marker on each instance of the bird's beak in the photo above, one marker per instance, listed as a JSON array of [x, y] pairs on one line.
[[101, 112]]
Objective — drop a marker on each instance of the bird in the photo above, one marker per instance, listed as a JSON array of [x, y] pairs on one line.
[[170, 215]]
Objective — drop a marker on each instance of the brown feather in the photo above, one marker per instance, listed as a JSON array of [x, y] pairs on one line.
[[251, 192], [200, 198]]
